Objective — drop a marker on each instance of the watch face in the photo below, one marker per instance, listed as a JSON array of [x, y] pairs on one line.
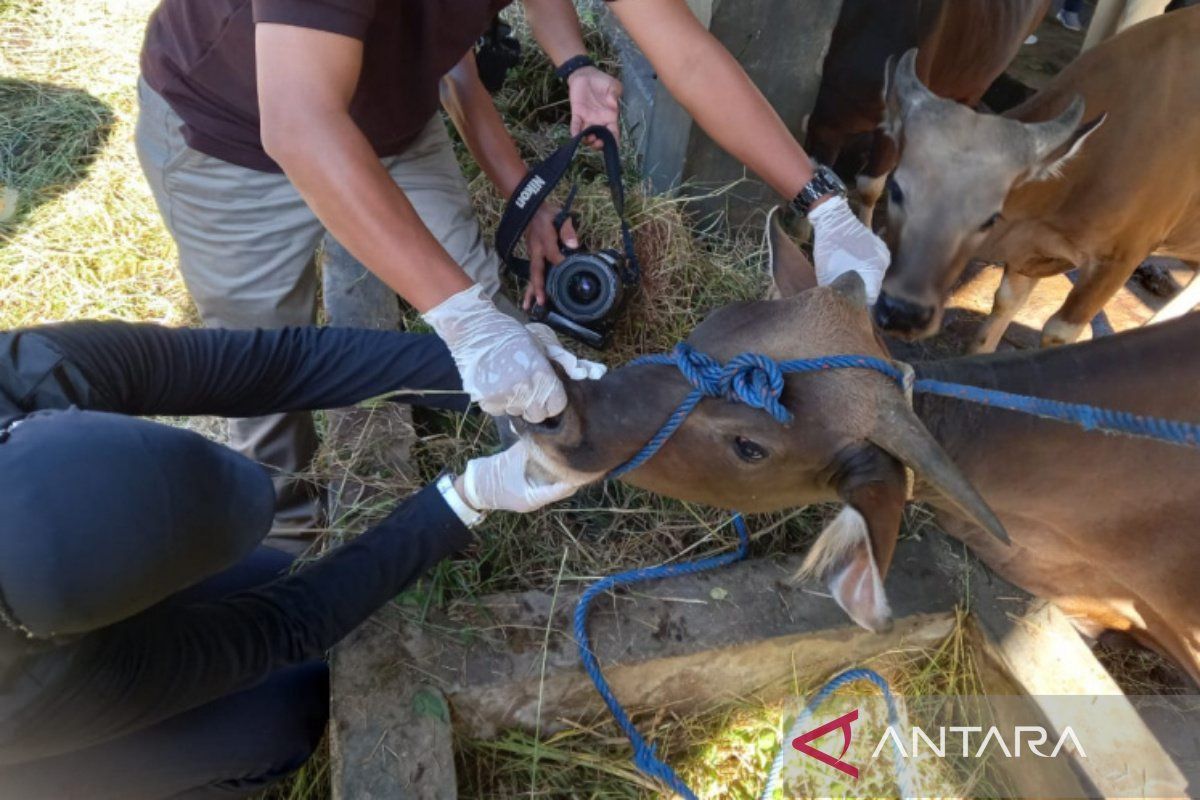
[[824, 181], [831, 182]]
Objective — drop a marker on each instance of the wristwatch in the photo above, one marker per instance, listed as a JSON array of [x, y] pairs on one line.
[[572, 65], [468, 515], [824, 181]]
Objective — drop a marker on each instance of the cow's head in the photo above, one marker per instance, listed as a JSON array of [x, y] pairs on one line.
[[852, 434], [948, 191]]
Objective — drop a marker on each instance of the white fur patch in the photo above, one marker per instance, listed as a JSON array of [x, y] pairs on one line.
[[855, 583], [543, 465], [845, 531]]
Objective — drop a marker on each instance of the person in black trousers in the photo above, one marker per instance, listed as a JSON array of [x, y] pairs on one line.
[[149, 646]]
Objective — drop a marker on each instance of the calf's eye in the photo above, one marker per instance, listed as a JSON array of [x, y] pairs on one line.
[[749, 450], [895, 195], [992, 220]]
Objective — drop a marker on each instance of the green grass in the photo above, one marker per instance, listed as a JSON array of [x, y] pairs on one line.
[[85, 240]]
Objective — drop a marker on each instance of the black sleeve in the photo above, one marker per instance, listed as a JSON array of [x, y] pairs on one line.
[[152, 370], [178, 656]]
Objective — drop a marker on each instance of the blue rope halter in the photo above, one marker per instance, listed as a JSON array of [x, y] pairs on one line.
[[758, 381]]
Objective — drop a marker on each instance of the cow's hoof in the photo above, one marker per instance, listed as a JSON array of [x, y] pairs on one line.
[[1059, 332]]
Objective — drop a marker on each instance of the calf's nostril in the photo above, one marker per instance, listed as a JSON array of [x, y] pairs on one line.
[[549, 424], [898, 314]]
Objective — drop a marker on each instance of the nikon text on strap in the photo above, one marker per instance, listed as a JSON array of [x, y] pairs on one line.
[[540, 181]]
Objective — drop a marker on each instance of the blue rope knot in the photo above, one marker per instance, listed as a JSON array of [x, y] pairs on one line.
[[751, 379]]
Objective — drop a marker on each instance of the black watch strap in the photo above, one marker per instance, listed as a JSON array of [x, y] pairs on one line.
[[824, 181], [571, 65]]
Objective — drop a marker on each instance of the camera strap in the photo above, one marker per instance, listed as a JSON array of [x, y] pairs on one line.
[[537, 185]]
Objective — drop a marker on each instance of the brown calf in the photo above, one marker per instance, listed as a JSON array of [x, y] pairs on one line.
[[1039, 193], [964, 46], [1105, 526]]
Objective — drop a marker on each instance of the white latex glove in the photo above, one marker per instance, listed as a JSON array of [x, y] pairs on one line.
[[503, 366], [577, 369], [841, 243], [503, 482]]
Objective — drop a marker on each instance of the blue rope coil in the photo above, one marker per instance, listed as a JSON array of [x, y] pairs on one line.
[[903, 777], [758, 381], [644, 755]]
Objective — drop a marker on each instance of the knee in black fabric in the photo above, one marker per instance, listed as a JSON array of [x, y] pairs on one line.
[[231, 747], [107, 515], [291, 712]]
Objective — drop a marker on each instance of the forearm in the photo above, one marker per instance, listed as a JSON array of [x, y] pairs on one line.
[[474, 115], [149, 369], [702, 75], [555, 25]]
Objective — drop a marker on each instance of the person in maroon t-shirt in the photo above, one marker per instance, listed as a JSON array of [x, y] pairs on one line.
[[267, 124]]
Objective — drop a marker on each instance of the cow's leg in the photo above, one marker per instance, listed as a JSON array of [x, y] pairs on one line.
[[880, 163], [1012, 294], [824, 143], [1096, 286], [1187, 299]]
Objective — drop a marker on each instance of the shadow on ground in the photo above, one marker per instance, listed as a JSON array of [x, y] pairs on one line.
[[49, 137]]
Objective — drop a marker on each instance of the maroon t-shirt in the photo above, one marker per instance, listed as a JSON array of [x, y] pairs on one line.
[[199, 55]]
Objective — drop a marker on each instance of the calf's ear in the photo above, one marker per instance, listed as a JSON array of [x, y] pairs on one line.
[[853, 553], [791, 271], [1058, 141]]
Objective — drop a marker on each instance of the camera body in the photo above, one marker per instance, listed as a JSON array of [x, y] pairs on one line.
[[585, 293]]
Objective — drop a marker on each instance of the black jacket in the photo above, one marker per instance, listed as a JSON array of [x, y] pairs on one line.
[[105, 517]]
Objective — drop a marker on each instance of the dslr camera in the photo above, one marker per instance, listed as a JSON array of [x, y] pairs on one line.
[[587, 290]]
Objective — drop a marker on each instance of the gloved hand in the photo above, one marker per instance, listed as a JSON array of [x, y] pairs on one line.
[[504, 482], [842, 243], [577, 369], [503, 366]]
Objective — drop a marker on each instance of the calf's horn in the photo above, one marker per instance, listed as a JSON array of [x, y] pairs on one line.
[[898, 431], [909, 89], [1050, 135]]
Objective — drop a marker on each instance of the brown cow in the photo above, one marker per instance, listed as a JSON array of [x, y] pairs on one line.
[[1105, 526], [1038, 193], [964, 46]]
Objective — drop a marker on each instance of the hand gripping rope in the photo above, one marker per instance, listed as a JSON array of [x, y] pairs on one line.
[[758, 381]]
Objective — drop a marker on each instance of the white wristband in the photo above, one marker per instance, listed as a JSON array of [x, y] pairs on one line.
[[469, 516]]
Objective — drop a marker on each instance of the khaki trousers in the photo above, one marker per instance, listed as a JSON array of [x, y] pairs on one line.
[[248, 246]]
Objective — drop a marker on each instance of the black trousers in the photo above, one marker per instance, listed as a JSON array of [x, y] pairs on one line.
[[231, 747]]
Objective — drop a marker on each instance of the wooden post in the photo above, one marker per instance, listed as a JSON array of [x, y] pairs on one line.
[[782, 46], [1114, 16]]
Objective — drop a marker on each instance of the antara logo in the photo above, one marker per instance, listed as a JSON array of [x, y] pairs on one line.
[[533, 187], [1029, 737], [842, 723]]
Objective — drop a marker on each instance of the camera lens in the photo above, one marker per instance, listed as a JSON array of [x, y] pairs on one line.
[[583, 288]]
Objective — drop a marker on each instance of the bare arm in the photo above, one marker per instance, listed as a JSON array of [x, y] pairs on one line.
[[470, 107], [702, 75], [595, 96], [306, 79], [555, 25], [473, 113]]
